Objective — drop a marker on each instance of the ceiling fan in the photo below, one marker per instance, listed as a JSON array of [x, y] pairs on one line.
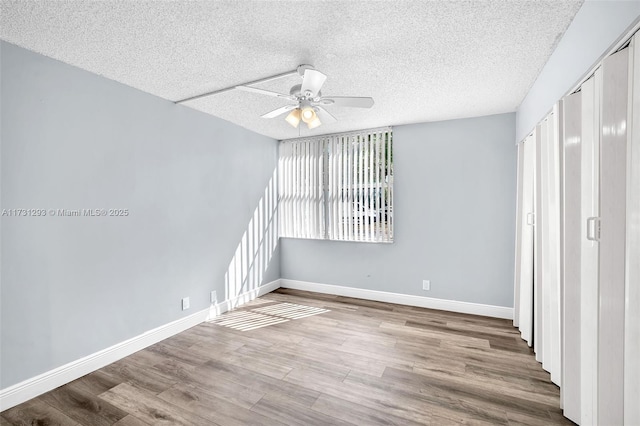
[[308, 101]]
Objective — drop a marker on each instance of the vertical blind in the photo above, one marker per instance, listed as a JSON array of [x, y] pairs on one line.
[[338, 187]]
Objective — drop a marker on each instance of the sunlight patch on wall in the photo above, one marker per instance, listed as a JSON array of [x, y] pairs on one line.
[[255, 249]]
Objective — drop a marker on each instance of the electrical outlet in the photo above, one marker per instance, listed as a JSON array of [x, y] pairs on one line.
[[185, 303], [214, 297], [426, 285]]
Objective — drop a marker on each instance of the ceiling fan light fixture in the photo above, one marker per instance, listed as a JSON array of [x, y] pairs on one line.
[[308, 114], [314, 123], [294, 117]]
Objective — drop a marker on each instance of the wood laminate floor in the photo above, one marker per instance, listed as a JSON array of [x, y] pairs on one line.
[[299, 358]]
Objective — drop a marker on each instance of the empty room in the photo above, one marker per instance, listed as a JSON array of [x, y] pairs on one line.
[[318, 212]]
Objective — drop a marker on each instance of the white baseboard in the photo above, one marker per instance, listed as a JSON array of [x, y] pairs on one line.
[[248, 296], [30, 388], [402, 299]]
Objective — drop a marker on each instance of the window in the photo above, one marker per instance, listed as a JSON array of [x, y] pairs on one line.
[[337, 187]]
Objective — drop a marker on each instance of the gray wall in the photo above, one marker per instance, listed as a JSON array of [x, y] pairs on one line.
[[596, 26], [70, 139], [455, 188]]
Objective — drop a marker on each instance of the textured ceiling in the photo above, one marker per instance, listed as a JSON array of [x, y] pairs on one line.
[[420, 61]]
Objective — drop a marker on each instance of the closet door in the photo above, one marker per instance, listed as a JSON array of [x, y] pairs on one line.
[[519, 225], [632, 284], [547, 326], [526, 247], [539, 240], [572, 139], [552, 249], [589, 248], [613, 166]]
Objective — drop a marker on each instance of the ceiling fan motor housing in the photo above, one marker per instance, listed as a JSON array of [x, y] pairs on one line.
[[297, 92]]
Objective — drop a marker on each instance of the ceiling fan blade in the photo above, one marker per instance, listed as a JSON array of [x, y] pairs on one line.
[[325, 116], [279, 111], [312, 81], [348, 101], [265, 92]]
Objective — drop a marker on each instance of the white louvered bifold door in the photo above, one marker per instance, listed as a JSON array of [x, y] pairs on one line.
[[540, 205], [547, 287], [519, 224], [572, 141], [589, 248], [613, 165], [548, 234], [553, 248], [586, 262], [632, 283], [525, 252]]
